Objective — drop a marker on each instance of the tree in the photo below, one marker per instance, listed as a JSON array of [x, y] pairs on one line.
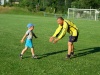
[[86, 3], [60, 6], [29, 4]]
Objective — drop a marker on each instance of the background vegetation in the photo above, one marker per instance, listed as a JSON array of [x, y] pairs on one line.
[[54, 6]]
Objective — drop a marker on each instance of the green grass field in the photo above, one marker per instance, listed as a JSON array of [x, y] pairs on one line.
[[51, 62]]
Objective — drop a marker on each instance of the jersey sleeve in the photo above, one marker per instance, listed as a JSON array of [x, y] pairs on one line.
[[34, 34], [27, 32], [64, 30], [57, 31]]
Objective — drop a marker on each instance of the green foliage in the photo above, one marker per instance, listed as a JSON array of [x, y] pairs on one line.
[[86, 4], [29, 4], [58, 6], [55, 6], [43, 4]]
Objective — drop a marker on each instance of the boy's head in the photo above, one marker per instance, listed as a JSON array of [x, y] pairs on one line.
[[30, 26]]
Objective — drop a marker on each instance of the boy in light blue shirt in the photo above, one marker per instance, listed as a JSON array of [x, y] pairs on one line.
[[28, 44]]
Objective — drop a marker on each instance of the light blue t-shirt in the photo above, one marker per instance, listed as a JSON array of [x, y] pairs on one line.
[[29, 34]]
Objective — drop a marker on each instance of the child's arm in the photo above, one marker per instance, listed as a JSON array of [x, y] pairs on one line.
[[34, 35], [22, 40]]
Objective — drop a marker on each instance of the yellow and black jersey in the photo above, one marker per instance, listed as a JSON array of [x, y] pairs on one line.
[[67, 26]]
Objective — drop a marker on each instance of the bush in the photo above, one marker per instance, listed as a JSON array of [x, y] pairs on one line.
[[42, 9]]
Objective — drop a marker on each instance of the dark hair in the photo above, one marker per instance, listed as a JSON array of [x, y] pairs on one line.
[[60, 18]]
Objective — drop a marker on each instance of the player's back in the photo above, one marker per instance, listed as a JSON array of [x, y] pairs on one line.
[[71, 25]]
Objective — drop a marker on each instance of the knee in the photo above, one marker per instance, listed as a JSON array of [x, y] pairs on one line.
[[69, 43], [25, 49]]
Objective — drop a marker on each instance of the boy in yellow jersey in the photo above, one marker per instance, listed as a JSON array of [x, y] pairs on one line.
[[66, 26]]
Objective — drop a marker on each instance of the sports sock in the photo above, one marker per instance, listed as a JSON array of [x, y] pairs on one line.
[[33, 55]]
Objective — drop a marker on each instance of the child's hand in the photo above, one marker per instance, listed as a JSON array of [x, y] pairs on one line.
[[22, 41]]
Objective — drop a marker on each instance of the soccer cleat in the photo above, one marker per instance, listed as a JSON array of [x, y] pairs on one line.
[[21, 56], [34, 57], [72, 54], [68, 57]]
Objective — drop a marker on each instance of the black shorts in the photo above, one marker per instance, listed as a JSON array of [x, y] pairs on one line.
[[73, 38]]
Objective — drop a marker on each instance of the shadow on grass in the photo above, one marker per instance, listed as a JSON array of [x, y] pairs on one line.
[[27, 57], [51, 53], [87, 51], [82, 52]]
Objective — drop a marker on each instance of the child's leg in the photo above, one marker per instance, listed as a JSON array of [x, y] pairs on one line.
[[33, 55], [32, 51], [23, 51]]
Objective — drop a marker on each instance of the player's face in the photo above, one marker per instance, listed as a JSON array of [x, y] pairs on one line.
[[59, 21], [32, 28]]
